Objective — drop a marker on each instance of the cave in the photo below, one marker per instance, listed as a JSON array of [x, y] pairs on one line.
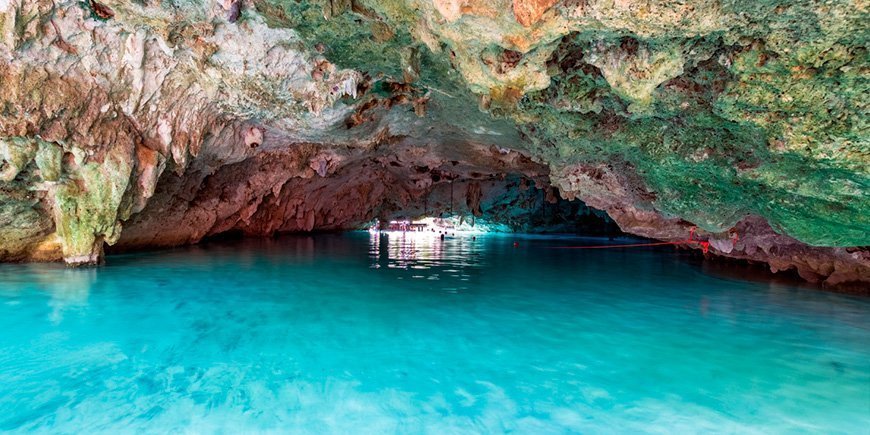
[[434, 216]]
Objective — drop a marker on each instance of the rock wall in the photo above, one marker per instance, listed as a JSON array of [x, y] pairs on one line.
[[160, 122]]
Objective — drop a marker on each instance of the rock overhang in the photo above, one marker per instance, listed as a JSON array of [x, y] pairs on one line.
[[728, 116]]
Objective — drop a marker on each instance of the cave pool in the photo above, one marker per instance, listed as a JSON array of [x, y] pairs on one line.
[[391, 333]]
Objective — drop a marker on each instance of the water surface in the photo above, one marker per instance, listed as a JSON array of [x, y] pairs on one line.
[[363, 333]]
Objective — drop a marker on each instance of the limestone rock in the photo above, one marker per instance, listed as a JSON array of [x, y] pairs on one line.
[[141, 124]]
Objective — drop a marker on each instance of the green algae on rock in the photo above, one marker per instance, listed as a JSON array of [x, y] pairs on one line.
[[264, 115]]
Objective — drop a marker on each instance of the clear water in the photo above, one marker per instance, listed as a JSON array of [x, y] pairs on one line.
[[375, 334]]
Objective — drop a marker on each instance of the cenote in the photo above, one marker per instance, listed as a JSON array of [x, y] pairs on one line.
[[407, 333], [434, 217]]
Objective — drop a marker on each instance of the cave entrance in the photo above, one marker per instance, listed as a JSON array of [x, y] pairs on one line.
[[431, 224], [512, 205]]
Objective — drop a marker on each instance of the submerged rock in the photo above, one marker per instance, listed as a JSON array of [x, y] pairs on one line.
[[158, 123]]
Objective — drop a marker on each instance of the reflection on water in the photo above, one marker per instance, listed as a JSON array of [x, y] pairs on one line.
[[397, 333], [424, 251], [67, 288], [427, 254]]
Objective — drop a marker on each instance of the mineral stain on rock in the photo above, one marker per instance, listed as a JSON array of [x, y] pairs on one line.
[[158, 123]]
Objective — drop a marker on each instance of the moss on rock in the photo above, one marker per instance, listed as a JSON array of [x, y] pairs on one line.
[[86, 205]]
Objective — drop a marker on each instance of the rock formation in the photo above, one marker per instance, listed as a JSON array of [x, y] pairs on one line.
[[141, 123]]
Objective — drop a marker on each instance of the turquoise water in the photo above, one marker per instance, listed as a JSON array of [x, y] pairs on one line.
[[363, 333]]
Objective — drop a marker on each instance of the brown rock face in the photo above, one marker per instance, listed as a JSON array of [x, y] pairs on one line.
[[137, 125], [284, 189], [529, 12]]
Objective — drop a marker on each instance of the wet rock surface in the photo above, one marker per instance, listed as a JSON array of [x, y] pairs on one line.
[[158, 123]]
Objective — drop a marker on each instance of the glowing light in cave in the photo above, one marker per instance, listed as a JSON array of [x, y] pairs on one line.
[[448, 225]]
